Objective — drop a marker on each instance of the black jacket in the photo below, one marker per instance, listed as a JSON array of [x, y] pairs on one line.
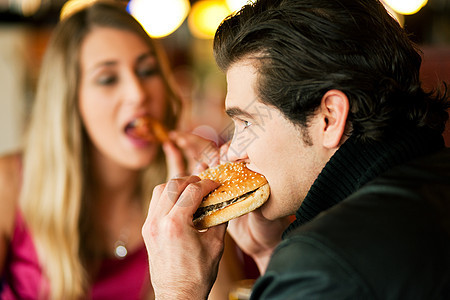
[[383, 234]]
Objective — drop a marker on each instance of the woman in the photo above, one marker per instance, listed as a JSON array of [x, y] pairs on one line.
[[83, 180]]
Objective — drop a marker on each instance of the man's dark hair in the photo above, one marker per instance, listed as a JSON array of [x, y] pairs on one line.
[[303, 48]]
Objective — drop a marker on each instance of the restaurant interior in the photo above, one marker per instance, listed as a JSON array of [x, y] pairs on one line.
[[185, 29]]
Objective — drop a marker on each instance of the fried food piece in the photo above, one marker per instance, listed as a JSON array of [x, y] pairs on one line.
[[148, 129]]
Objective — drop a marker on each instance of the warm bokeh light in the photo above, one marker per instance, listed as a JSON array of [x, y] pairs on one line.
[[30, 7], [205, 17], [73, 5], [398, 17], [406, 7], [235, 5], [159, 17]]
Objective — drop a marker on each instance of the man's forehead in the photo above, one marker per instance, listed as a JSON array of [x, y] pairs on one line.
[[240, 89], [242, 98], [255, 109], [241, 105]]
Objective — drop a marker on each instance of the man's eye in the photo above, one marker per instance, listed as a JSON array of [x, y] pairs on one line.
[[246, 123], [240, 124]]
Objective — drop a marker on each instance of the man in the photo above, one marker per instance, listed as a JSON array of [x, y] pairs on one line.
[[327, 105]]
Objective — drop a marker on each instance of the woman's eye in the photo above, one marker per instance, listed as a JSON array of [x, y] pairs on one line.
[[107, 80], [147, 72]]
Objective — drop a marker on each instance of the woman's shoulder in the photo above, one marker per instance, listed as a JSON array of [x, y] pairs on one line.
[[10, 171], [10, 180], [10, 160]]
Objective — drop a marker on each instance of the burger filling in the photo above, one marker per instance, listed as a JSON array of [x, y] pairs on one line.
[[204, 211]]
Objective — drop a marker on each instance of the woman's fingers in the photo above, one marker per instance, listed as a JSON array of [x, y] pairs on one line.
[[175, 162], [200, 167], [223, 152], [196, 149]]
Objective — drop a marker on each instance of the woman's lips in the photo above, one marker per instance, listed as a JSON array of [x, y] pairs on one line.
[[138, 142], [145, 130]]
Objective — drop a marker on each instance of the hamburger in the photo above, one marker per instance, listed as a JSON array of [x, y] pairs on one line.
[[240, 192], [148, 129]]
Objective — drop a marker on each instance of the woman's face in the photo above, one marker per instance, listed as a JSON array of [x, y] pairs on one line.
[[120, 81]]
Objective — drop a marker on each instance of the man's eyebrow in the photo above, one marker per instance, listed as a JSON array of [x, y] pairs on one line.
[[237, 112]]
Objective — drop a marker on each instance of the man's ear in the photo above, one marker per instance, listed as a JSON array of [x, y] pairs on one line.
[[334, 108]]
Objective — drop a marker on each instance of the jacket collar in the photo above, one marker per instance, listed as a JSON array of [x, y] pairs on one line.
[[356, 163]]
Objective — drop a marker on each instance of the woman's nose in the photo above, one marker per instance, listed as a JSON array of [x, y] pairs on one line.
[[134, 90]]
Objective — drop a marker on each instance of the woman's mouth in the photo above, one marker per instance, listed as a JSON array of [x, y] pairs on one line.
[[138, 129], [146, 130]]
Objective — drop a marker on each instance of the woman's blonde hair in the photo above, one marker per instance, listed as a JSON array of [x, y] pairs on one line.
[[56, 168]]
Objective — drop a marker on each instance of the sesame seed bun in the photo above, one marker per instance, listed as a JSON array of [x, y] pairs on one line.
[[241, 191]]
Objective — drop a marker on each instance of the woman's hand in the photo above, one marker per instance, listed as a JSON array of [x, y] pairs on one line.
[[183, 261], [187, 153]]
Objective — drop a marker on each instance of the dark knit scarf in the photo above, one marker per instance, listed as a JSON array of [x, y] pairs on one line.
[[356, 163]]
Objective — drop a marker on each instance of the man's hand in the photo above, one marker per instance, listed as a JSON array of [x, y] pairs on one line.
[[254, 234], [183, 261], [257, 236]]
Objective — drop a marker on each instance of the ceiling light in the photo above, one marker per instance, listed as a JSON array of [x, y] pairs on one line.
[[406, 7], [159, 18], [206, 16]]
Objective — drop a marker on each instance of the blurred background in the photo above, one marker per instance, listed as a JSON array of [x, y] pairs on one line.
[[185, 29]]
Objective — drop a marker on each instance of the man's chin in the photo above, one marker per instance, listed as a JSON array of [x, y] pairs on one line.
[[267, 210], [271, 212]]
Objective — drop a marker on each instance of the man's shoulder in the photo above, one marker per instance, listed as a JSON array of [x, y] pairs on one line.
[[391, 213], [306, 267], [377, 239], [430, 169]]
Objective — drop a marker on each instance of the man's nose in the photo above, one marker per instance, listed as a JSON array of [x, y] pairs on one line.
[[237, 149]]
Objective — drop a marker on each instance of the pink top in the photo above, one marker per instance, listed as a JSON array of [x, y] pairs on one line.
[[127, 278]]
